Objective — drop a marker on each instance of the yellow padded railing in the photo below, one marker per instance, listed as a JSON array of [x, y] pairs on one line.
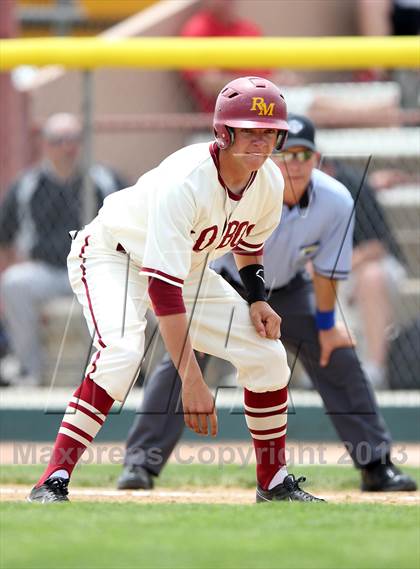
[[200, 53]]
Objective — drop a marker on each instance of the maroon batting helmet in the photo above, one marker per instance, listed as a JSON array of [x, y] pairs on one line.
[[249, 102]]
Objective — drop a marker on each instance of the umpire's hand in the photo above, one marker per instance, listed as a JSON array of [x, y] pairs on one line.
[[330, 340], [265, 320]]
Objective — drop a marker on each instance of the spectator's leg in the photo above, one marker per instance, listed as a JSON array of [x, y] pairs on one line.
[[371, 295], [24, 289], [374, 18], [4, 342], [4, 348]]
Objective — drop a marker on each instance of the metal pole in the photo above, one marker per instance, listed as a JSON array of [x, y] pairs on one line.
[[11, 135], [62, 26], [89, 197]]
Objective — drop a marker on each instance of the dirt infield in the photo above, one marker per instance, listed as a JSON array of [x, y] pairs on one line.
[[192, 453], [213, 495]]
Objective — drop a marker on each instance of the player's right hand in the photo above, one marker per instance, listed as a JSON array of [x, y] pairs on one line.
[[265, 320], [199, 407]]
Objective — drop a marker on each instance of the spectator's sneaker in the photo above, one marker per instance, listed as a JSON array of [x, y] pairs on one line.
[[53, 490], [135, 478], [386, 478], [4, 382], [288, 491]]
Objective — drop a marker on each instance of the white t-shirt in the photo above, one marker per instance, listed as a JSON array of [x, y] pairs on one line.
[[179, 215]]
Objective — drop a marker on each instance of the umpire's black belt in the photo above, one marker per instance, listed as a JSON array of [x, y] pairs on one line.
[[296, 282]]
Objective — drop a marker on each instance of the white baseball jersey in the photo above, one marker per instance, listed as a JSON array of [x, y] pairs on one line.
[[181, 215]]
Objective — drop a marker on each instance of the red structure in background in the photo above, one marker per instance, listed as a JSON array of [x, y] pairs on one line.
[[13, 116]]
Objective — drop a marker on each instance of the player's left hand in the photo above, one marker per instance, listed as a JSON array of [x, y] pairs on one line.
[[265, 320], [198, 404], [330, 340]]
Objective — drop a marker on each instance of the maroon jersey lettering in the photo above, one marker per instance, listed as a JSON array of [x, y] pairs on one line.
[[243, 229], [245, 233], [234, 233], [206, 238], [229, 233]]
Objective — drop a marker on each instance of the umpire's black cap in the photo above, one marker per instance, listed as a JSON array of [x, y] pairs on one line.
[[301, 132]]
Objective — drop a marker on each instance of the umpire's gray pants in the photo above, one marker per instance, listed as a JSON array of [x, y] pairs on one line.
[[24, 289], [347, 394]]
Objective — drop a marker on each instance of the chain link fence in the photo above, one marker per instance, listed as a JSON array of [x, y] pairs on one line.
[[138, 117], [389, 215]]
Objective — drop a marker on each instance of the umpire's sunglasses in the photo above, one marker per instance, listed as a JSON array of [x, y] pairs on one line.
[[299, 156]]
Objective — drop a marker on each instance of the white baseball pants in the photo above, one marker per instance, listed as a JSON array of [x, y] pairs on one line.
[[114, 299]]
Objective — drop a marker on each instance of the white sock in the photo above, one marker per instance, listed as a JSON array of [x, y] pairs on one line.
[[278, 478], [60, 474]]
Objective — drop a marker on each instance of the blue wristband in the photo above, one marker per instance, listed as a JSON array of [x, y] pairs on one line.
[[325, 320]]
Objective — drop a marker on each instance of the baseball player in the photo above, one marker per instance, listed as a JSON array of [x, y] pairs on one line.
[[315, 209], [150, 245]]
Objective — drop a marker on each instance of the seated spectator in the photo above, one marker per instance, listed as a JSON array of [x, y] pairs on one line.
[[403, 364], [39, 210], [378, 266], [374, 18], [217, 18], [396, 18]]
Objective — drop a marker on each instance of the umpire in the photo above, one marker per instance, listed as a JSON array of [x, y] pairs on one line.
[[315, 208]]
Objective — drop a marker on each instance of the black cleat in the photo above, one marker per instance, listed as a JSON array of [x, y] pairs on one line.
[[135, 478], [386, 478], [287, 491], [53, 490], [3, 381]]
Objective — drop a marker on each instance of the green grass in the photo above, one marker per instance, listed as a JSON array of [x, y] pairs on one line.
[[104, 535], [124, 535], [197, 475]]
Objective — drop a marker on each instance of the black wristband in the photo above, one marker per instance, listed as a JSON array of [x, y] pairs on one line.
[[253, 278]]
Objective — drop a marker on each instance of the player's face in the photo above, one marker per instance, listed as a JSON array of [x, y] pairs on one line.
[[296, 165], [252, 146]]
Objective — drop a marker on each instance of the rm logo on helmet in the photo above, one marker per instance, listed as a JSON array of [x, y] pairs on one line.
[[258, 104]]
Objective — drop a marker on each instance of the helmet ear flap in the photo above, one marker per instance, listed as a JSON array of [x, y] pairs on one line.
[[224, 136], [231, 132]]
